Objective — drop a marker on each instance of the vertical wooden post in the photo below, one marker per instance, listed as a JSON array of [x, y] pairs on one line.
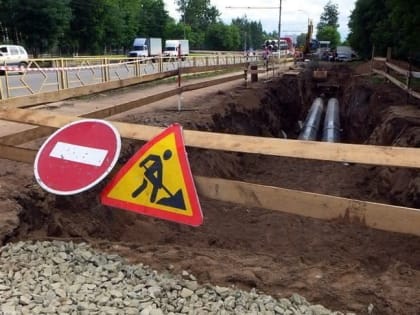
[[373, 59], [388, 57], [103, 70], [1, 91], [136, 68], [389, 54], [246, 74], [108, 76], [6, 82], [410, 68], [63, 74]]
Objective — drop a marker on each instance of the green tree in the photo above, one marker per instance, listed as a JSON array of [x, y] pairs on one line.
[[113, 26], [329, 33], [222, 37], [175, 30], [327, 28], [130, 11], [389, 23], [329, 16], [41, 25], [301, 40], [87, 26], [199, 14], [367, 25], [152, 18], [251, 32], [405, 23]]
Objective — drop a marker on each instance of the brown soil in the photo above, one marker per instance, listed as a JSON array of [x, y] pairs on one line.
[[340, 265]]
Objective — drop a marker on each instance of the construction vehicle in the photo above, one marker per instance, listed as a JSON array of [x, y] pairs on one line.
[[307, 49]]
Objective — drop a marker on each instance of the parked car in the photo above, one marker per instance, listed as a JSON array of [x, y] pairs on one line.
[[343, 57], [13, 55]]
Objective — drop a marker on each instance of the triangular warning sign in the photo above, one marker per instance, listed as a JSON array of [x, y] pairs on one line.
[[157, 181]]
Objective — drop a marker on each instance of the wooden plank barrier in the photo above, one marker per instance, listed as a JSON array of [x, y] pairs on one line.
[[406, 73], [325, 207], [340, 152], [398, 83]]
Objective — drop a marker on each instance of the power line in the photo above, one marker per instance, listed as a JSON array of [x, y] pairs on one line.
[[258, 8]]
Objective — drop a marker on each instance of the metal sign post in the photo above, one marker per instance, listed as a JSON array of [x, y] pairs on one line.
[[179, 78]]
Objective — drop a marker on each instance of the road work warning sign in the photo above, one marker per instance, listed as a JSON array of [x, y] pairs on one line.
[[157, 181]]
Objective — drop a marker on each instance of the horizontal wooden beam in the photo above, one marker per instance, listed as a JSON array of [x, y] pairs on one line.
[[397, 69], [383, 59], [204, 84], [198, 69], [17, 154], [324, 207], [398, 83], [26, 135], [339, 152], [402, 71]]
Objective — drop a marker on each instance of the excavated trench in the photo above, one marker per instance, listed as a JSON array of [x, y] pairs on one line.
[[234, 243], [270, 108]]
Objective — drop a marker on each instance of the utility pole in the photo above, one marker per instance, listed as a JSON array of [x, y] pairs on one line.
[[279, 26]]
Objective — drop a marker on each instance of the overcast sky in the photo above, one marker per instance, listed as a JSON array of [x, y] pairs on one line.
[[295, 13]]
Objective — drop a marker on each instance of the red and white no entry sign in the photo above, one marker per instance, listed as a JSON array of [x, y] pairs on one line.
[[77, 156]]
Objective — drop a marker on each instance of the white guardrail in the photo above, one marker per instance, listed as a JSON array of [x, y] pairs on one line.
[[48, 75]]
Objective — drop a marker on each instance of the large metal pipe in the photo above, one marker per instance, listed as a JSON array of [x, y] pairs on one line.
[[312, 121], [331, 131]]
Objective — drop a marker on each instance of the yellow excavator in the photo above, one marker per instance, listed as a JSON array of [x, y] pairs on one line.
[[307, 47]]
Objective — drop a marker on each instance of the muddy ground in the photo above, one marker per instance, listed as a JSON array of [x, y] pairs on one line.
[[341, 266]]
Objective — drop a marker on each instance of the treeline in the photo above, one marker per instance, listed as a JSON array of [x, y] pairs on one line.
[[386, 23], [106, 26]]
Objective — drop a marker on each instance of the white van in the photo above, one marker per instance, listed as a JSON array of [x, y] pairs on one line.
[[13, 55]]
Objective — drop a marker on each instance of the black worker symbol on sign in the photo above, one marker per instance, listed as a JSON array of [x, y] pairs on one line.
[[153, 174]]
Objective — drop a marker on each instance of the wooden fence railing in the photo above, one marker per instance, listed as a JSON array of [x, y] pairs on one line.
[[406, 75]]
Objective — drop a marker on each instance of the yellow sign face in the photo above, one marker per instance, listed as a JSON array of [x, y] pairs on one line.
[[157, 181]]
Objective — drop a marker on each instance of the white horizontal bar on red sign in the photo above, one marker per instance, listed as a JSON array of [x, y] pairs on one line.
[[79, 154]]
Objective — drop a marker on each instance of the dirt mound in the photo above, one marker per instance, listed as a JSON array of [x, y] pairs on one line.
[[342, 266], [400, 126]]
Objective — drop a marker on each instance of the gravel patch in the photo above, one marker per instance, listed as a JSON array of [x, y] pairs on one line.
[[68, 278]]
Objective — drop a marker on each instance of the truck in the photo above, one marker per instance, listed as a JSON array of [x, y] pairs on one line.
[[146, 47], [323, 49], [172, 46]]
